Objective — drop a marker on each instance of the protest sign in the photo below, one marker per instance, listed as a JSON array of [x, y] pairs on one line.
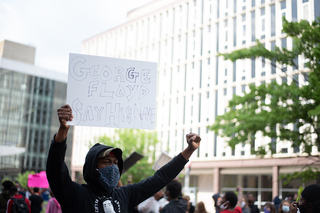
[[112, 92], [162, 160], [38, 180]]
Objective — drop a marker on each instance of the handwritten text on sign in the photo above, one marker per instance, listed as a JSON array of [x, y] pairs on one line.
[[111, 92]]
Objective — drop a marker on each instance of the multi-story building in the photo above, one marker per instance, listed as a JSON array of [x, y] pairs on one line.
[[194, 84], [30, 97]]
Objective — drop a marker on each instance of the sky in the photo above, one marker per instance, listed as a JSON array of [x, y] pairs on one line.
[[58, 27]]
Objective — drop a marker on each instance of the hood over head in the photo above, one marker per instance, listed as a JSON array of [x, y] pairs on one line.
[[311, 193], [90, 165]]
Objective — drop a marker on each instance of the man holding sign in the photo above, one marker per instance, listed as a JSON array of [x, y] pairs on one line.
[[102, 170]]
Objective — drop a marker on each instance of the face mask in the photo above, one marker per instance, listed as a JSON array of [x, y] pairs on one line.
[[285, 208], [243, 204], [223, 206], [265, 210], [109, 177]]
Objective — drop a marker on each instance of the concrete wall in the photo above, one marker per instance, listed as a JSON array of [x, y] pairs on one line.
[[16, 51]]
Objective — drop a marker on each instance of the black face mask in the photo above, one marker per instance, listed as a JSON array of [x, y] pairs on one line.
[[303, 208]]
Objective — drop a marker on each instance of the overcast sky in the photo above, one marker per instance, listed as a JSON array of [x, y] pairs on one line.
[[58, 27]]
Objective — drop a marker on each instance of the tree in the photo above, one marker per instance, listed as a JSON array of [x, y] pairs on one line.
[[282, 112], [130, 140], [23, 178]]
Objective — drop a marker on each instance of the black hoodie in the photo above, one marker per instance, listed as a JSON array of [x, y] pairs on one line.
[[91, 197]]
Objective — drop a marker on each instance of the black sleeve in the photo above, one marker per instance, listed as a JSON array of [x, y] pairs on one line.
[[58, 175], [140, 191]]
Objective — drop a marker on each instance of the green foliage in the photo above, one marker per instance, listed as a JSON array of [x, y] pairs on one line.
[[23, 178], [269, 108], [4, 179], [130, 140], [305, 176]]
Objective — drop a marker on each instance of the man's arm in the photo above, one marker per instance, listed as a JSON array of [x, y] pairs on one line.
[[57, 171], [30, 190], [240, 195], [146, 188]]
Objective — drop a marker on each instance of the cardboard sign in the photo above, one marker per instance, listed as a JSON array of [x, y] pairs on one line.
[[38, 180], [162, 160], [131, 160], [111, 92]]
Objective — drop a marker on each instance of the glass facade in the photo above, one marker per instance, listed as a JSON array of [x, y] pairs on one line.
[[28, 104], [258, 185]]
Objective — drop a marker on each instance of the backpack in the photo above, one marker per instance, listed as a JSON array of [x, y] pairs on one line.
[[19, 205]]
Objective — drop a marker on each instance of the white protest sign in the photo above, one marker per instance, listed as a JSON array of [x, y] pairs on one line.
[[112, 92]]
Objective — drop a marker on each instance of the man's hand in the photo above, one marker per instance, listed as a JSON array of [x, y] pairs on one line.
[[193, 140], [293, 207], [65, 115]]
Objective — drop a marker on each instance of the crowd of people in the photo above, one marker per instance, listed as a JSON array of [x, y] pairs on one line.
[[103, 193], [308, 202], [13, 198]]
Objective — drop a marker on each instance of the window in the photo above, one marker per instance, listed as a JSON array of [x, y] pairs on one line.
[[284, 42], [253, 26], [243, 88], [253, 67], [283, 5], [273, 20], [243, 17], [294, 10], [263, 11], [225, 91]]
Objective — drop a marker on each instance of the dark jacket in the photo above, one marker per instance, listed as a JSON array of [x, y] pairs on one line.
[[4, 197], [254, 209], [175, 206], [91, 197]]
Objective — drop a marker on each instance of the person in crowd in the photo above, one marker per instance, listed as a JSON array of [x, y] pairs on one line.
[[269, 208], [242, 200], [200, 208], [19, 198], [53, 206], [36, 201], [277, 202], [244, 204], [102, 171], [190, 207], [284, 206], [251, 200], [309, 200], [20, 190], [229, 203], [216, 198], [151, 205], [5, 195], [176, 203], [162, 202]]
